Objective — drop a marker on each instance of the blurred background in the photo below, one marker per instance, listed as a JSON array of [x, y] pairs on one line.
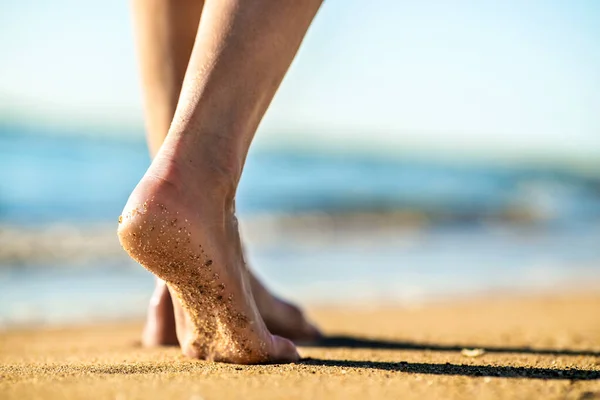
[[415, 151]]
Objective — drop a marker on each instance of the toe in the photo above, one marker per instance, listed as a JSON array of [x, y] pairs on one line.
[[289, 321], [310, 333], [284, 351], [303, 331]]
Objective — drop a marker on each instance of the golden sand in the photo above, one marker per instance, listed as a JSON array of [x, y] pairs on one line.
[[538, 348]]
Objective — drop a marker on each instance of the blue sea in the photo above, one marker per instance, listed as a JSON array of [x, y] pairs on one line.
[[479, 228]]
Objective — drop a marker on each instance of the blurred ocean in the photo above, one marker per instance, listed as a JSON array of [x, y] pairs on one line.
[[320, 228]]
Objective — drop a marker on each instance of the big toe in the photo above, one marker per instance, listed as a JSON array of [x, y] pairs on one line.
[[284, 350], [294, 325], [309, 333]]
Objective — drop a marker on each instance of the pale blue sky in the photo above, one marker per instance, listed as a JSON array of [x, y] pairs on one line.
[[517, 77]]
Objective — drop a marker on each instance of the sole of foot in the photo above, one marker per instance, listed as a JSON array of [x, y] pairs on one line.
[[196, 251], [281, 317]]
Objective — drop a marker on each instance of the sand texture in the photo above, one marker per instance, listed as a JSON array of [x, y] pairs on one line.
[[536, 347]]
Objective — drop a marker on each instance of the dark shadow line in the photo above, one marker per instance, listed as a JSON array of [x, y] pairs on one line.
[[354, 342], [463, 370]]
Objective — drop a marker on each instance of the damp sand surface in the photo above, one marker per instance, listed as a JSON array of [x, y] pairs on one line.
[[538, 347]]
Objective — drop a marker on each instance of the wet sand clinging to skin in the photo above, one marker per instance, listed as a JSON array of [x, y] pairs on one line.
[[538, 348], [215, 312]]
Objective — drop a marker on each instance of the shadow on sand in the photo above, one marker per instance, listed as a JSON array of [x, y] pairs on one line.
[[453, 369], [464, 370], [360, 343]]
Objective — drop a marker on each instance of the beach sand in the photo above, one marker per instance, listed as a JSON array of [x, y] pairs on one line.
[[538, 347]]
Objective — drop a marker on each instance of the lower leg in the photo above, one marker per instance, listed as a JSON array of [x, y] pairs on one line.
[[166, 30], [179, 220], [165, 33]]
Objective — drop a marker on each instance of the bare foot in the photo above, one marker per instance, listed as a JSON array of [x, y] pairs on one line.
[[280, 317], [159, 329], [197, 252]]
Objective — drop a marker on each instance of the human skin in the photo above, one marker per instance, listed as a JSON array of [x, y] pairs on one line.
[[179, 221], [165, 32]]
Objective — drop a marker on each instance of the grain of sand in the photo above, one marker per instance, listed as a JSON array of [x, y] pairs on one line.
[[542, 347]]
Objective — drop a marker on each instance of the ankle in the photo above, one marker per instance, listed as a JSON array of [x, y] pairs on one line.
[[189, 164]]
